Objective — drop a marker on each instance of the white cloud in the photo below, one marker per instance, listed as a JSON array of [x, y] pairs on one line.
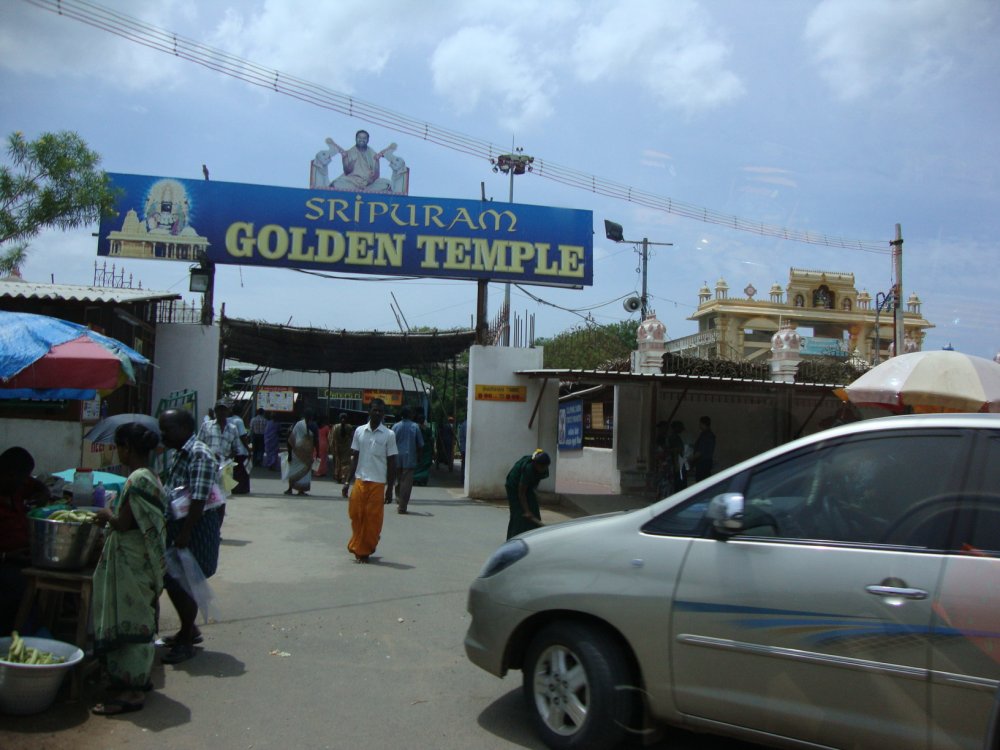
[[35, 41], [668, 48], [863, 47], [485, 66]]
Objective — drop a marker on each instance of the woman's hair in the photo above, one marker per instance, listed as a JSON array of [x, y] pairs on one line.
[[16, 460], [136, 437]]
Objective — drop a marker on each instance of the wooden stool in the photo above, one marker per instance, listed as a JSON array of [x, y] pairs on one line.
[[49, 587]]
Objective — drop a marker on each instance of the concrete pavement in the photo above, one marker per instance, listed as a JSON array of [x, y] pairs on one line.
[[311, 650]]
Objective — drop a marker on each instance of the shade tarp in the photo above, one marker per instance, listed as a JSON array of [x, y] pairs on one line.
[[320, 350]]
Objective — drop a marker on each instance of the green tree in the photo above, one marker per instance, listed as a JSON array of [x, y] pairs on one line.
[[53, 181], [12, 260], [448, 382], [590, 347]]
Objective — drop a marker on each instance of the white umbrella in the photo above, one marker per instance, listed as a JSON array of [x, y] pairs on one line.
[[930, 381]]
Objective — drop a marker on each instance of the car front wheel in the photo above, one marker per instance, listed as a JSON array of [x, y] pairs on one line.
[[578, 687]]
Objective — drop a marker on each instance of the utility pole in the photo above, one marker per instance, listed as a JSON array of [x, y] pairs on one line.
[[897, 257], [615, 233], [645, 262]]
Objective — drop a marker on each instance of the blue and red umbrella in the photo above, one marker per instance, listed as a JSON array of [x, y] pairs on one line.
[[47, 358]]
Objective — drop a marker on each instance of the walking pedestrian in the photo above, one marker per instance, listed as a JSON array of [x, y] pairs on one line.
[[446, 444], [301, 448], [422, 473], [340, 438], [258, 425], [410, 444], [372, 474], [192, 466], [222, 436], [128, 578]]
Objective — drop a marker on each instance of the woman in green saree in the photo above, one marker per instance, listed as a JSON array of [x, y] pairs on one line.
[[129, 576]]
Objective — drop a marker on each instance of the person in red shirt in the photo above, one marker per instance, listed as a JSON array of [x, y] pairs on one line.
[[19, 492]]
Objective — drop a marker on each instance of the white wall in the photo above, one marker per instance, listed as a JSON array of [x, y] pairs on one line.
[[192, 352], [54, 445], [498, 433], [589, 466]]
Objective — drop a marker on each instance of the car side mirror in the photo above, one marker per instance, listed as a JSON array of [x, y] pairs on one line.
[[727, 513]]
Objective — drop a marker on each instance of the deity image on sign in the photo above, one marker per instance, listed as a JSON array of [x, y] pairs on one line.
[[163, 230], [361, 168], [167, 209]]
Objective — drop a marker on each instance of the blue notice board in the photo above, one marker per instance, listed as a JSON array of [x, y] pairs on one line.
[[571, 425]]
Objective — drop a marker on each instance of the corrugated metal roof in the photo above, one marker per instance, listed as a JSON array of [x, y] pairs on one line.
[[18, 288], [372, 379], [608, 376]]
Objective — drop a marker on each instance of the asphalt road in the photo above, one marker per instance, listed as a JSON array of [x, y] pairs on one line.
[[313, 651]]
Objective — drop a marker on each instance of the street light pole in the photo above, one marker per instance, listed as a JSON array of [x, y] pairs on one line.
[[615, 233], [512, 164]]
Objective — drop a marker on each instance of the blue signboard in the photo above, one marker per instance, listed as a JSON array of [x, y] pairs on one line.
[[816, 346], [326, 230], [571, 425]]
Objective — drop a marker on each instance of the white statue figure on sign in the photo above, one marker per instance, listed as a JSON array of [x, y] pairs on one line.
[[361, 168]]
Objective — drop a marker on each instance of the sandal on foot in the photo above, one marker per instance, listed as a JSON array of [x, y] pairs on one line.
[[180, 652], [114, 707], [171, 640]]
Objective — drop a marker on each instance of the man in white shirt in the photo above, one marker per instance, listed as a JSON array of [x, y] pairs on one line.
[[373, 472]]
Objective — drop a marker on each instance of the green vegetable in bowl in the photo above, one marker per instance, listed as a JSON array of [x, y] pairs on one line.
[[73, 516], [21, 653]]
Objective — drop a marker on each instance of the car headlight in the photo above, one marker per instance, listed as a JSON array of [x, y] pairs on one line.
[[505, 555]]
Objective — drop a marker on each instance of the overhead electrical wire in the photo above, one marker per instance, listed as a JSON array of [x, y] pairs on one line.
[[168, 42]]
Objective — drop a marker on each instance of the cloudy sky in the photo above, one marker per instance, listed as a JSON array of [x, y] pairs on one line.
[[839, 117]]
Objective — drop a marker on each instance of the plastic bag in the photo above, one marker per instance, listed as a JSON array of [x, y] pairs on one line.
[[283, 458], [180, 501], [225, 479], [315, 464], [183, 568]]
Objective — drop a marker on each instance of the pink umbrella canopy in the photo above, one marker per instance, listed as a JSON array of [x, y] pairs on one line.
[[44, 357], [930, 381], [81, 362]]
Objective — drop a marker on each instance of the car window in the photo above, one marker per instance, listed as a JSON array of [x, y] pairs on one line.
[[861, 490], [980, 531], [688, 518]]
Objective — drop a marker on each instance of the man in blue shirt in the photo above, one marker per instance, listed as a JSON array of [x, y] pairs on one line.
[[409, 442]]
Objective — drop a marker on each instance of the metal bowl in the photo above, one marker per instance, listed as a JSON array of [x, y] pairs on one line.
[[63, 545], [31, 688]]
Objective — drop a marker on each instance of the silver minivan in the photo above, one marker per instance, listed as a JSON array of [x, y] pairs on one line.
[[840, 591]]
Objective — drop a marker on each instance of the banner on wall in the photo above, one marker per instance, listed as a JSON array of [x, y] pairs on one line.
[[389, 398], [168, 218], [570, 435], [501, 392], [276, 398]]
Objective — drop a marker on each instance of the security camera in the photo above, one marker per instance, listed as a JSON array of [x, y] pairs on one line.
[[632, 304]]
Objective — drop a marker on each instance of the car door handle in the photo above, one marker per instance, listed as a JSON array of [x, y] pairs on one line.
[[902, 591]]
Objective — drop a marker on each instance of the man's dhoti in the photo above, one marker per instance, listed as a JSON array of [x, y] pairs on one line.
[[367, 511]]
